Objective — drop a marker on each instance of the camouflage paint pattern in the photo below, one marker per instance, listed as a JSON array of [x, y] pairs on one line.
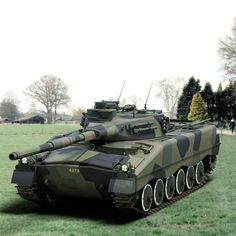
[[89, 164]]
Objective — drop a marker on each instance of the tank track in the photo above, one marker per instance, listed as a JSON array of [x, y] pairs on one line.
[[127, 204], [28, 193]]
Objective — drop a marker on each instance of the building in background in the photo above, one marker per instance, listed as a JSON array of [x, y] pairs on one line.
[[31, 119]]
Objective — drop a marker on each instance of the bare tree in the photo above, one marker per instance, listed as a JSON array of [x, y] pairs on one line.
[[134, 99], [169, 90], [227, 53], [77, 112], [9, 109], [50, 92]]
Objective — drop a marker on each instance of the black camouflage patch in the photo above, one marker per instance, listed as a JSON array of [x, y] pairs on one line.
[[183, 144], [197, 140], [100, 178], [100, 131], [45, 147], [158, 172], [103, 160], [167, 154]]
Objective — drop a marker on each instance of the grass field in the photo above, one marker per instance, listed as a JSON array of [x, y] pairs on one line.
[[209, 211]]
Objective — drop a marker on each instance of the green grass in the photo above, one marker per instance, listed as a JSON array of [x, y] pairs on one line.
[[209, 211]]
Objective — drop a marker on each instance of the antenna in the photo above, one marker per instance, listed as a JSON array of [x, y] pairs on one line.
[[145, 105], [121, 90]]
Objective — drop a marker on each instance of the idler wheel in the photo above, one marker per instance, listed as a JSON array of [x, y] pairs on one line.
[[199, 173], [159, 192], [52, 198], [180, 181], [146, 198], [190, 177], [170, 187]]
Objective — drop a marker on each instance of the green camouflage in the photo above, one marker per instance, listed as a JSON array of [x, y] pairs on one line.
[[121, 157]]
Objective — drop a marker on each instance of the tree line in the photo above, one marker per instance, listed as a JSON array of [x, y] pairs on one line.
[[183, 100], [187, 103]]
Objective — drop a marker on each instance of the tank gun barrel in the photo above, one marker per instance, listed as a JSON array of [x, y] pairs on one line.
[[53, 145]]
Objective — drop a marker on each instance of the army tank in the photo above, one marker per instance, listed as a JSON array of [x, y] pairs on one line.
[[133, 161]]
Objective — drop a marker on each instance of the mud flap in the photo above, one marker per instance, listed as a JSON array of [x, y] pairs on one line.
[[23, 178]]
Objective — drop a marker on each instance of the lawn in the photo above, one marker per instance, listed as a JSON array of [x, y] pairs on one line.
[[209, 211]]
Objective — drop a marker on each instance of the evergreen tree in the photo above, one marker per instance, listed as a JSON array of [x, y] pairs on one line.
[[226, 102], [198, 109], [229, 98], [220, 105], [191, 88], [209, 98]]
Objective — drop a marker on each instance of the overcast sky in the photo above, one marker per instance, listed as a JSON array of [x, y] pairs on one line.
[[95, 45]]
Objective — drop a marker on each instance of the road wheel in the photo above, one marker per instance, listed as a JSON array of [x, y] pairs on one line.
[[50, 198], [199, 173], [170, 187], [190, 177], [159, 192], [180, 181], [146, 198]]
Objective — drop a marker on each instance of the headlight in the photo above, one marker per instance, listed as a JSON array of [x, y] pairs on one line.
[[24, 160], [124, 168]]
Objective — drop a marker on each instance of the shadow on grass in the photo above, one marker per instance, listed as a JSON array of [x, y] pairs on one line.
[[75, 208]]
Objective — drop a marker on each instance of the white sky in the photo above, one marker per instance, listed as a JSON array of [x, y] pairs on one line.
[[95, 45]]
